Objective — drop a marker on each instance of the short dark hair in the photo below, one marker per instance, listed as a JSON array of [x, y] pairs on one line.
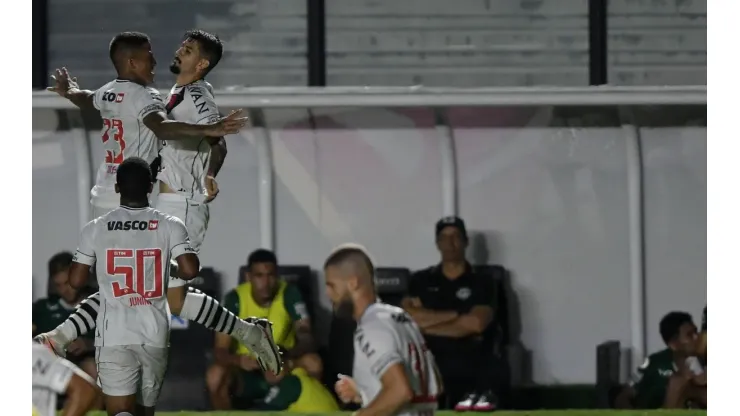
[[126, 42], [60, 262], [210, 46], [670, 325], [261, 256], [134, 178], [350, 252]]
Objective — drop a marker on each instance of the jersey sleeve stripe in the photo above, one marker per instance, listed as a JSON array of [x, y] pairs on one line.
[[84, 258]]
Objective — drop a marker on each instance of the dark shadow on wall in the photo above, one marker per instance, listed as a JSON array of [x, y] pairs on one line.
[[486, 248]]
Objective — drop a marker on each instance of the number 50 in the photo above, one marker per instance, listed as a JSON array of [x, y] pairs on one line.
[[135, 277]]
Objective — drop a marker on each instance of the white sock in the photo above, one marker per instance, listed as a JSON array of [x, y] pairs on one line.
[[205, 310]]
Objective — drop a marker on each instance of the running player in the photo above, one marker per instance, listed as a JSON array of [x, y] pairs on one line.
[[52, 376], [394, 373], [188, 303]]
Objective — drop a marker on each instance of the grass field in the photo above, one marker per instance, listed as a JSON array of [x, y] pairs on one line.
[[501, 413]]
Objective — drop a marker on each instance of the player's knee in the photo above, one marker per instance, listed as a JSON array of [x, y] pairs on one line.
[[216, 376], [312, 363]]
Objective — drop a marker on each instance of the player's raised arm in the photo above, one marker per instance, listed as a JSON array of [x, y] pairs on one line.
[[84, 257], [188, 263], [386, 363], [67, 87]]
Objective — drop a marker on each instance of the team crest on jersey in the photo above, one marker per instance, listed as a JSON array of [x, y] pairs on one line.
[[463, 293], [153, 225]]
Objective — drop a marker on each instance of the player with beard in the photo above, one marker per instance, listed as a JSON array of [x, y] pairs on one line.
[[186, 169], [393, 372]]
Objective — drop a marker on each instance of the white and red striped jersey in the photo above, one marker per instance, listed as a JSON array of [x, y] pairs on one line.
[[131, 249], [123, 106], [387, 335]]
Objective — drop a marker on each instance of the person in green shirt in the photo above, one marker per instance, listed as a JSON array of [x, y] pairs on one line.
[[671, 378], [235, 381], [48, 313]]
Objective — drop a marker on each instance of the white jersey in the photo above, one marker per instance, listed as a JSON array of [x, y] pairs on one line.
[[387, 335], [185, 161], [51, 375], [123, 105], [131, 249]]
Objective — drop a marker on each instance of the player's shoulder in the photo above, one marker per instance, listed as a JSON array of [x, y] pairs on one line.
[[165, 217], [200, 88], [381, 315]]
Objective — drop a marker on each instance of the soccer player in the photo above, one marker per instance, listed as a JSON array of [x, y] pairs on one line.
[[134, 244], [52, 376], [393, 373], [669, 378], [192, 129]]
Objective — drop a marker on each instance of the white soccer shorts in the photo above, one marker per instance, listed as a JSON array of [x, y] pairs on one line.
[[124, 370], [195, 215]]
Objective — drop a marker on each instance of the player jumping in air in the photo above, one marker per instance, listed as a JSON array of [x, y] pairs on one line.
[[130, 127], [52, 376], [130, 248], [393, 373]]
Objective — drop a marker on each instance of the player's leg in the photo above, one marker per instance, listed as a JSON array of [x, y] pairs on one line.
[[194, 305], [118, 376], [153, 369], [219, 380], [79, 323]]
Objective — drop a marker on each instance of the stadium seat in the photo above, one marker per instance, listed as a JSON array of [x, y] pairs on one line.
[[608, 363], [392, 284]]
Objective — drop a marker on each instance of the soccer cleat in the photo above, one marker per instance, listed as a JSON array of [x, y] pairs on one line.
[[266, 351], [486, 402], [49, 343], [466, 403]]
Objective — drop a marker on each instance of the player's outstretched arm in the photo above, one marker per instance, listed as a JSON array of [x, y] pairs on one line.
[[166, 129], [67, 87]]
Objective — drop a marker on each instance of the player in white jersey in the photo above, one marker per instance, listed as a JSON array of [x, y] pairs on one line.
[[52, 376], [187, 303], [393, 372]]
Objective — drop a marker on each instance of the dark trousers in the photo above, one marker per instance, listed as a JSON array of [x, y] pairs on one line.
[[467, 371]]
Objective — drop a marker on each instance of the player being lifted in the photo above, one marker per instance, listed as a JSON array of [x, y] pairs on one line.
[[130, 248], [393, 372], [52, 376], [131, 55]]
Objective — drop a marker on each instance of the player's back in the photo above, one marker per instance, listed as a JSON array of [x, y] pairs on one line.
[[185, 161], [132, 248], [384, 335], [122, 105], [50, 377]]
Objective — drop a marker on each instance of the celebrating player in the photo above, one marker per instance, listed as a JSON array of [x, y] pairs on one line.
[[201, 118], [52, 376], [394, 373]]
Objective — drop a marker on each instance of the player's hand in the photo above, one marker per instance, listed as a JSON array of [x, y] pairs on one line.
[[346, 389], [273, 379], [211, 188], [248, 363], [63, 82], [228, 125]]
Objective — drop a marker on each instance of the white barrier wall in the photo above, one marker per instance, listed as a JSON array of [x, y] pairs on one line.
[[547, 190]]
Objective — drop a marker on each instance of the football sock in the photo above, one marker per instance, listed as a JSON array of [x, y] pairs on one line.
[[205, 310], [80, 322]]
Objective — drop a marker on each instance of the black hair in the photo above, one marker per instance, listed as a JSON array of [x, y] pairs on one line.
[[210, 45], [126, 42], [134, 179], [60, 262], [261, 256], [670, 325], [350, 253]]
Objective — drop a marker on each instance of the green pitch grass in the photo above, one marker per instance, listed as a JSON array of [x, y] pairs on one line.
[[501, 413]]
